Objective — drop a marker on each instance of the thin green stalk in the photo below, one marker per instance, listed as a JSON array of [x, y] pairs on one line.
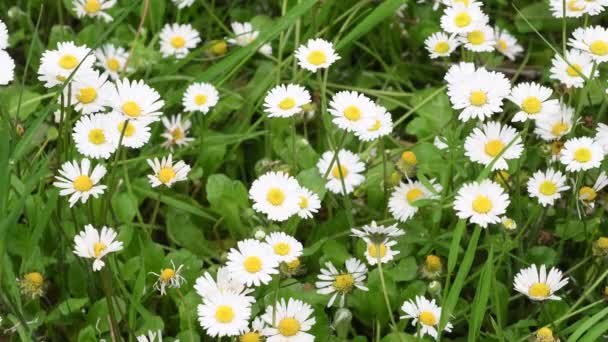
[[181, 296], [385, 292], [106, 284]]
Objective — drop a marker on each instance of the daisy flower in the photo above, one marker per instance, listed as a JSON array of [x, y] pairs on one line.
[[225, 314], [3, 36], [177, 40], [459, 73], [136, 134], [352, 111], [595, 7], [581, 154], [112, 60], [485, 143], [94, 9], [340, 283], [546, 186], [574, 8], [380, 250], [508, 223], [244, 34], [382, 126], [588, 194], [593, 41], [401, 201], [439, 44], [544, 334], [377, 233], [481, 203], [151, 337], [570, 74], [79, 181], [252, 262], [309, 203], [348, 170], [425, 312], [169, 277], [32, 284], [90, 92], [200, 97], [176, 130], [206, 286], [533, 101], [93, 244], [555, 126], [94, 136], [285, 247], [288, 322], [7, 72], [57, 65], [136, 101], [276, 195], [166, 173], [461, 18], [537, 285], [181, 4], [507, 44], [255, 333], [480, 39], [316, 54], [432, 267], [601, 136], [285, 100]]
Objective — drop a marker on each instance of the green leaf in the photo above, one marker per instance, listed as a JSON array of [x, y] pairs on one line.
[[434, 112], [228, 198], [478, 307], [67, 307]]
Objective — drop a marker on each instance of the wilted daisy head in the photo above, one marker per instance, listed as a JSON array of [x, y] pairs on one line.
[[168, 277], [32, 284], [374, 232]]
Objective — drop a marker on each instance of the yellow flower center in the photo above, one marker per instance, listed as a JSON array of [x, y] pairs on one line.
[[602, 242], [113, 64], [478, 98], [129, 131], [343, 282], [574, 70], [539, 290], [427, 318], [281, 248], [375, 127], [224, 314], [293, 264], [287, 103], [178, 42], [132, 109], [376, 252], [582, 155], [200, 99], [316, 57], [599, 47], [250, 337], [413, 195], [587, 193], [494, 147], [531, 105], [167, 274], [87, 95], [559, 128], [482, 204], [442, 47], [339, 172], [68, 61], [96, 136], [177, 134], [289, 326], [219, 48], [303, 202], [352, 113], [409, 157], [92, 6], [462, 19], [433, 263], [275, 196], [544, 334], [476, 37], [547, 188], [573, 7], [35, 279], [83, 183], [166, 174], [252, 264], [98, 248], [502, 45]]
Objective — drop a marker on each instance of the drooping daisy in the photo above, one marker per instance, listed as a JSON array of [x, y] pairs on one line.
[[3, 36], [554, 126], [169, 277], [401, 201], [588, 194], [285, 247], [348, 170], [537, 284], [90, 92], [79, 181], [426, 313], [570, 74], [533, 101], [276, 195], [57, 65], [383, 125], [252, 262], [377, 233], [352, 111], [166, 173], [601, 136], [574, 8], [592, 40], [432, 267], [507, 44], [178, 39], [581, 154], [285, 100], [341, 283], [32, 285], [381, 251], [151, 336], [112, 59], [136, 101], [309, 203], [316, 54], [176, 130], [7, 72], [440, 44], [94, 9], [479, 39], [93, 244], [461, 18], [94, 136], [288, 322], [181, 4], [135, 135], [485, 143], [546, 186], [200, 97], [508, 223], [481, 202], [226, 282], [225, 314]]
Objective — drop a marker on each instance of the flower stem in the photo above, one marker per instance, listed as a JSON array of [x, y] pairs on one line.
[[385, 293]]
